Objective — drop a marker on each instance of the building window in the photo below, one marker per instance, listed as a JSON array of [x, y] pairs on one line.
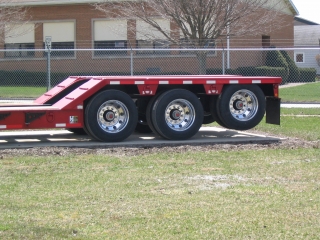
[[62, 35], [265, 41], [109, 36], [151, 45], [109, 48], [63, 52], [299, 57], [19, 40], [210, 45], [150, 38], [19, 50]]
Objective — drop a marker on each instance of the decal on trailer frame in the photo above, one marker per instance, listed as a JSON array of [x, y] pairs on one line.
[[73, 119]]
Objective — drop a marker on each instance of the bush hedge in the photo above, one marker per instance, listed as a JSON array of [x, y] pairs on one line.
[[308, 74], [274, 58], [247, 71], [22, 78], [272, 72], [218, 71], [263, 71], [294, 72]]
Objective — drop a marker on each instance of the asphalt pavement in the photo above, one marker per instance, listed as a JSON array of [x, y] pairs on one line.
[[64, 138]]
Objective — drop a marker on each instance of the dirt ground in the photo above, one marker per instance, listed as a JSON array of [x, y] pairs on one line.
[[287, 143]]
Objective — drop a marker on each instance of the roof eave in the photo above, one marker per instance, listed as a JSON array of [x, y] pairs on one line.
[[292, 7], [52, 2]]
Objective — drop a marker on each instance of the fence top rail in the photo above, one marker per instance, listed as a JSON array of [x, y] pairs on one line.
[[164, 50], [186, 79]]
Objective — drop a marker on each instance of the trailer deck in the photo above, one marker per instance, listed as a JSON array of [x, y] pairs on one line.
[[67, 104]]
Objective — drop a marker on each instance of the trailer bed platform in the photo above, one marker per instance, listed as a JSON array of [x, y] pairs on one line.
[[111, 108]]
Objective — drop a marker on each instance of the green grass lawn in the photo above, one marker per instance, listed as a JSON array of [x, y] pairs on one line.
[[300, 111], [174, 193], [21, 92], [264, 194], [306, 128], [309, 92], [300, 123], [295, 122]]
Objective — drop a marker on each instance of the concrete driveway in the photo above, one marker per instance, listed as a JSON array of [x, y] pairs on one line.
[[64, 138]]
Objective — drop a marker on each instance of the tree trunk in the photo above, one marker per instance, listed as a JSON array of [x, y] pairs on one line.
[[202, 62]]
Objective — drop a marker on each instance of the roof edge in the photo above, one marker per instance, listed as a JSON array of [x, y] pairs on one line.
[[292, 7], [306, 21], [290, 4], [49, 2]]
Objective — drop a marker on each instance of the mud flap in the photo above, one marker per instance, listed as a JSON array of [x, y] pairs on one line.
[[273, 110]]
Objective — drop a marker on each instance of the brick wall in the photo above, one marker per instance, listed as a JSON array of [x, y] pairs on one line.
[[84, 62]]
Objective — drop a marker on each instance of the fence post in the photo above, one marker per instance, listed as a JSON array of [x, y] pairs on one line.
[[48, 71], [223, 63], [48, 50], [131, 62]]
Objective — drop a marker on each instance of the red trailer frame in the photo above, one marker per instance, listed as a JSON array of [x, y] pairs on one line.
[[64, 105]]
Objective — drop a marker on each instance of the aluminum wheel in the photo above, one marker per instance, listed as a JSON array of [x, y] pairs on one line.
[[179, 114], [243, 105], [176, 118], [112, 116]]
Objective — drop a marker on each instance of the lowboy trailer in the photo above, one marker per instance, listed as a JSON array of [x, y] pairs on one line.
[[111, 108]]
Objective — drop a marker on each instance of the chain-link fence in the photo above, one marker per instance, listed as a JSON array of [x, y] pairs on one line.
[[28, 73]]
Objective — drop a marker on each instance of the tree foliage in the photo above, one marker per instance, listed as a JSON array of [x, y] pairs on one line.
[[11, 17], [198, 21]]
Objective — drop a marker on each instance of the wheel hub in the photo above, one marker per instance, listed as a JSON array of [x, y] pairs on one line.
[[179, 115], [238, 105], [113, 116], [175, 114], [109, 116], [243, 105]]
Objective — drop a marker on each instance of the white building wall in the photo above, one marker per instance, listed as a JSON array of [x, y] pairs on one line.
[[309, 58]]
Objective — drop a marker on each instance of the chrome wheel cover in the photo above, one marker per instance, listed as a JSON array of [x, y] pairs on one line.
[[113, 116], [243, 105], [180, 115]]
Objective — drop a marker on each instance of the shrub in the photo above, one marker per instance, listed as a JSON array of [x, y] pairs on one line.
[[276, 59], [174, 73], [247, 71], [218, 71], [22, 78], [263, 71], [308, 74], [271, 71], [294, 72]]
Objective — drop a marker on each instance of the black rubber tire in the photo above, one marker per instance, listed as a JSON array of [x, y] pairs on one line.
[[123, 110], [207, 118], [254, 106], [181, 101], [214, 111], [142, 124], [148, 113], [207, 115]]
